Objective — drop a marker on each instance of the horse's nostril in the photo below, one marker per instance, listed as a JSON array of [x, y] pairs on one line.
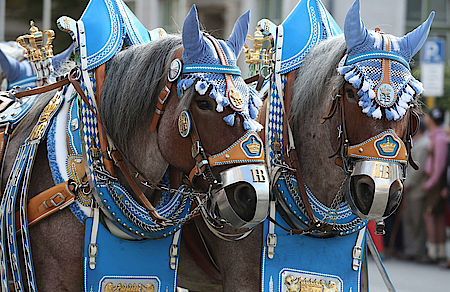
[[363, 190], [242, 198], [245, 196], [395, 196]]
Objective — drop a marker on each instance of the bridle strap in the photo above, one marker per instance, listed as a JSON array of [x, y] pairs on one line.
[[164, 96]]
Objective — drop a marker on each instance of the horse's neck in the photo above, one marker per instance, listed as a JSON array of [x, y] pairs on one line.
[[312, 141], [143, 153]]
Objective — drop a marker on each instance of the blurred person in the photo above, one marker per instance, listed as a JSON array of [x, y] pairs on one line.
[[414, 234], [434, 212]]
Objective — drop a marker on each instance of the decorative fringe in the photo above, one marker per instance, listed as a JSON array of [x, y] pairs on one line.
[[257, 101], [230, 119], [344, 69]]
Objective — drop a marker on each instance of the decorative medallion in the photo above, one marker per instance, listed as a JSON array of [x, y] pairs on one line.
[[385, 95], [175, 70], [184, 124], [252, 146], [235, 98]]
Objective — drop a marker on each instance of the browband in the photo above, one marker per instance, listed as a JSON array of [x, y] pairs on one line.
[[377, 55], [219, 69]]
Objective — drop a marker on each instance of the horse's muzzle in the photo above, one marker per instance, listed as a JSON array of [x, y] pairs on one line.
[[375, 188], [243, 199]]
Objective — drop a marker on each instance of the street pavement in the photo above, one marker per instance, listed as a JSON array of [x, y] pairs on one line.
[[409, 276]]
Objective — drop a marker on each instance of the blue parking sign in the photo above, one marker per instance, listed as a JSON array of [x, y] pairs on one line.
[[433, 51]]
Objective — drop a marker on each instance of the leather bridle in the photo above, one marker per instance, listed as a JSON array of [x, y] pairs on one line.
[[337, 105]]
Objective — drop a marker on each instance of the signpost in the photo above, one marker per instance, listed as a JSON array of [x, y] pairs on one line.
[[432, 67]]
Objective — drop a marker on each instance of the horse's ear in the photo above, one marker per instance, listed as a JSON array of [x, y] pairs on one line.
[[354, 30], [13, 69], [193, 42], [239, 33], [413, 41]]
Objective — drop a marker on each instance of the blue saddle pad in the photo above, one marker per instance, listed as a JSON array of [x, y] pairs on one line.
[[307, 25], [107, 23], [302, 262], [142, 264]]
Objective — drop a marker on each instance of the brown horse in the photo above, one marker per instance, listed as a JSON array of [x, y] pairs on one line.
[[134, 81], [319, 92]]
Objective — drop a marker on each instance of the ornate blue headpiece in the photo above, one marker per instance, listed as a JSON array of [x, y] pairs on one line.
[[308, 24], [378, 65], [210, 64]]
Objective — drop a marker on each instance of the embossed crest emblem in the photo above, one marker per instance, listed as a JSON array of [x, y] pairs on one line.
[[252, 146], [175, 70], [184, 124], [236, 101], [387, 146], [385, 95]]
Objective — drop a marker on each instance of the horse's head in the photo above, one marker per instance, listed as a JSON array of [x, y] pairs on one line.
[[209, 130], [376, 143]]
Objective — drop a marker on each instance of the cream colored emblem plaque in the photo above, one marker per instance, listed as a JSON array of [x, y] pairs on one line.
[[130, 285], [302, 281]]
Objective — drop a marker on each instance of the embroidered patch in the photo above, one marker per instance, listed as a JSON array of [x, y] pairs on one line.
[[111, 284], [385, 95], [252, 146], [299, 281], [387, 146]]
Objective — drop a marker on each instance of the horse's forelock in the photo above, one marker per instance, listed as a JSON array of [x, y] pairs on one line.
[[317, 78], [132, 85]]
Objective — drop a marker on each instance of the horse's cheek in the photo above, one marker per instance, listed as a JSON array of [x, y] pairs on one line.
[[175, 149]]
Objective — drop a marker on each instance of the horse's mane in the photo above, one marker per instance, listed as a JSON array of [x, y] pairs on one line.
[[132, 85], [317, 77]]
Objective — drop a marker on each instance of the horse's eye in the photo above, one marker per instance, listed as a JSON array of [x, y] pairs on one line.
[[204, 104], [350, 93]]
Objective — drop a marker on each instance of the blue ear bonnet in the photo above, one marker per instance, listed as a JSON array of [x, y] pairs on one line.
[[203, 68], [378, 65]]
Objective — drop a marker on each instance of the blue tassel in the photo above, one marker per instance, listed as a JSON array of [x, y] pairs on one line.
[[253, 112], [247, 125], [357, 83], [389, 115], [213, 93], [225, 102], [365, 97], [343, 70], [349, 76], [416, 85], [372, 109], [230, 119], [185, 83], [361, 92]]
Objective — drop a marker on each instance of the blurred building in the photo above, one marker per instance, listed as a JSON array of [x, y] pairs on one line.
[[218, 16]]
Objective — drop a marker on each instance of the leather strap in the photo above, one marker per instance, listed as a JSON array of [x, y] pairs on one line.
[[48, 202], [163, 96], [42, 89]]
